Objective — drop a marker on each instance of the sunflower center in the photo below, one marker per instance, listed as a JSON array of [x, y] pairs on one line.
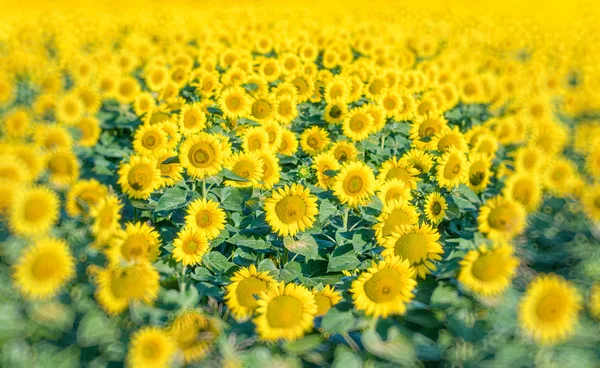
[[323, 304], [261, 109], [255, 143], [477, 177], [151, 350], [138, 177], [44, 268], [34, 211], [436, 208], [127, 284], [389, 103], [149, 141], [358, 123], [233, 102], [59, 165], [201, 155], [500, 218], [428, 128], [190, 246], [285, 108], [452, 168], [247, 289], [243, 169], [203, 218], [284, 311], [335, 112], [396, 218], [412, 247], [398, 173], [488, 267], [383, 286], [190, 120], [105, 217], [314, 141], [376, 86], [290, 209], [354, 184], [550, 308], [301, 85], [597, 202], [166, 169]]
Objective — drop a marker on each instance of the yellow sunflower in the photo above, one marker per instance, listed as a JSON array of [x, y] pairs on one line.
[[355, 184], [189, 246], [52, 137], [241, 294], [138, 242], [289, 143], [524, 188], [234, 102], [206, 217], [323, 163], [256, 139], [170, 172], [284, 312], [479, 172], [397, 169], [591, 202], [424, 129], [452, 168], [262, 108], [144, 103], [286, 110], [12, 169], [43, 268], [487, 270], [530, 159], [447, 138], [69, 108], [8, 191], [394, 190], [326, 298], [127, 89], [358, 124], [246, 165], [385, 288], [592, 162], [105, 215], [314, 140], [271, 170], [118, 285], [558, 176], [274, 130], [344, 151], [33, 212], [418, 244], [291, 209], [501, 218], [335, 111], [549, 309], [30, 156], [435, 208], [149, 139], [201, 155], [192, 120], [150, 347], [83, 195], [63, 167], [89, 130], [418, 159], [194, 334], [139, 177], [395, 213]]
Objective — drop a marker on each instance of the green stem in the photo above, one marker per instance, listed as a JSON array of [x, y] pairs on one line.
[[345, 217], [182, 283], [285, 256], [203, 189], [194, 185], [382, 141]]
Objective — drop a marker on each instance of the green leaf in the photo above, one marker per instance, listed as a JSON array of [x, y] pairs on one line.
[[468, 193], [266, 265], [230, 175], [335, 321], [250, 86], [397, 348], [463, 204], [216, 262], [444, 296], [214, 110], [289, 273], [95, 329], [342, 258], [305, 246], [304, 345], [171, 160], [346, 358], [232, 199], [172, 198], [254, 243], [331, 173], [326, 209]]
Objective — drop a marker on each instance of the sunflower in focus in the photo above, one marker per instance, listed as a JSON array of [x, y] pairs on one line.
[[234, 102], [170, 172], [271, 170], [192, 120], [355, 184], [139, 177], [289, 143], [358, 124], [326, 298], [452, 168], [398, 169], [201, 155], [206, 217], [44, 268], [326, 167], [248, 166], [314, 140], [291, 209], [385, 288], [435, 208], [487, 270], [284, 312], [394, 214], [549, 309], [150, 347], [256, 139], [148, 139], [242, 293], [189, 247]]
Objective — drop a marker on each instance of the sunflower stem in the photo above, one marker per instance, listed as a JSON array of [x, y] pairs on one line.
[[182, 283], [345, 217], [350, 342], [382, 141], [285, 256], [194, 185], [203, 189]]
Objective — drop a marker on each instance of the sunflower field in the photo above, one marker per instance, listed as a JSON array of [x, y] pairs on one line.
[[283, 184]]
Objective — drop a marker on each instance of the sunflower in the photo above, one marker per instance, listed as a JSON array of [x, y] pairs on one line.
[[291, 209], [549, 309], [148, 139], [530, 159], [63, 167], [34, 211], [558, 176], [447, 138], [138, 242], [337, 88], [479, 172], [418, 244], [289, 143], [452, 168], [256, 139], [425, 128], [69, 108], [189, 246], [127, 89], [378, 114], [487, 144], [358, 124], [394, 214], [284, 312], [12, 169], [274, 130], [205, 216], [394, 190], [170, 172], [241, 294], [150, 347], [90, 98], [52, 137], [435, 208], [524, 188], [418, 159], [407, 111], [314, 140], [488, 271], [392, 102], [397, 169], [355, 184], [246, 165], [285, 110], [194, 334], [594, 300], [501, 218], [384, 289], [139, 177], [143, 103], [201, 155], [83, 195], [43, 268], [234, 102], [29, 155], [105, 215], [591, 202], [322, 163], [271, 170], [304, 86], [263, 108], [335, 111], [118, 285], [326, 298], [89, 130], [344, 151]]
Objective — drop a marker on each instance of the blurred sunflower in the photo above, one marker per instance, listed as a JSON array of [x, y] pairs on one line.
[[395, 213], [394, 190], [325, 163], [63, 167], [150, 347], [326, 298], [170, 172], [245, 165], [501, 218], [487, 270], [194, 334], [452, 168], [242, 293], [105, 215], [83, 195], [358, 124], [314, 140], [34, 211], [138, 242], [289, 143]]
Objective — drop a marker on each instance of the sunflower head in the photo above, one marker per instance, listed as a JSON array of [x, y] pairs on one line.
[[355, 184], [150, 347], [488, 270], [291, 209], [139, 177]]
